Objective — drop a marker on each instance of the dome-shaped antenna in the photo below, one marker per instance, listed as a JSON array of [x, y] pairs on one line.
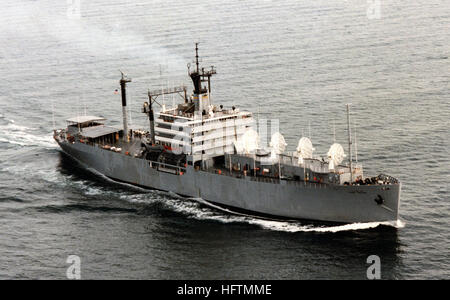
[[278, 144], [250, 141], [304, 149], [335, 156]]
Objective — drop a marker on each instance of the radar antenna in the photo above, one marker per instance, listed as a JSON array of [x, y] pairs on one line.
[[199, 76], [304, 149], [278, 144], [250, 141], [335, 156]]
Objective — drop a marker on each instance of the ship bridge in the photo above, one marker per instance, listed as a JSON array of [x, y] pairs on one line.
[[203, 138], [196, 127]]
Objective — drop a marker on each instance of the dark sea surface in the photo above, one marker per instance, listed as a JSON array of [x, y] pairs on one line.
[[296, 61]]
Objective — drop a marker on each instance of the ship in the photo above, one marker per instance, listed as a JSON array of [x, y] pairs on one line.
[[200, 150]]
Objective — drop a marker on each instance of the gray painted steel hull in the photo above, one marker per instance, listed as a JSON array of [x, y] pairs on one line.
[[287, 199]]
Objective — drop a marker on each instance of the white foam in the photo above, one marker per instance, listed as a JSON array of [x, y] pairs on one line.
[[24, 136], [51, 175], [138, 198], [92, 191], [292, 227], [196, 212]]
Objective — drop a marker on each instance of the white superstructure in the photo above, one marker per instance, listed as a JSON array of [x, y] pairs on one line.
[[203, 137]]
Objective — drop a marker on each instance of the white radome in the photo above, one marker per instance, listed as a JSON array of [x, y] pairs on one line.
[[239, 146], [335, 155], [250, 141], [278, 144], [304, 149]]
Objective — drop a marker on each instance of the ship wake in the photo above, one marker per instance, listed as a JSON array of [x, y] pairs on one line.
[[281, 225], [15, 134], [199, 209]]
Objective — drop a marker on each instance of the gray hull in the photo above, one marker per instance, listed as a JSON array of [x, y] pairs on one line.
[[281, 198]]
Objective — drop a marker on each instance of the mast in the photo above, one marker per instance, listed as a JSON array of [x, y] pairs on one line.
[[199, 76], [334, 132], [123, 87], [53, 116], [349, 143], [148, 109], [356, 143], [309, 127], [196, 56], [148, 106]]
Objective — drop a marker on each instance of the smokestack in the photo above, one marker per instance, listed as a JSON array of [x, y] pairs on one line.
[[123, 86]]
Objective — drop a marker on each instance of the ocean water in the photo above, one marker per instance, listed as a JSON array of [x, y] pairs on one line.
[[298, 61]]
